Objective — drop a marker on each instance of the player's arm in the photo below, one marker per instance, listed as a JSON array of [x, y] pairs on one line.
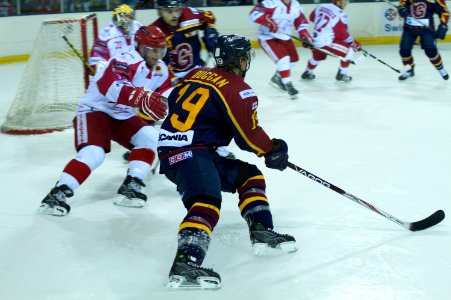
[[263, 15], [251, 137], [443, 13], [208, 21], [115, 84], [100, 54], [241, 115], [301, 25], [341, 32]]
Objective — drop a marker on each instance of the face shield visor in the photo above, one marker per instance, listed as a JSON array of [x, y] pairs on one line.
[[154, 52]]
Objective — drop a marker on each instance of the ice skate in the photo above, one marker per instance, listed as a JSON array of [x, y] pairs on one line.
[[125, 156], [55, 202], [292, 91], [188, 275], [409, 72], [276, 82], [308, 75], [268, 242], [443, 73], [343, 77], [129, 194]]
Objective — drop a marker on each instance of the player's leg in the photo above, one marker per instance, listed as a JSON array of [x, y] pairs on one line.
[[279, 52], [250, 184], [92, 140], [405, 51], [343, 50], [429, 45], [313, 62], [141, 138], [198, 182]]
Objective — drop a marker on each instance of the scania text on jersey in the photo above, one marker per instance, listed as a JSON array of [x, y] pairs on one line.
[[175, 139]]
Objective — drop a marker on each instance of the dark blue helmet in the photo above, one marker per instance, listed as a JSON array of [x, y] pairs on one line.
[[230, 48], [169, 3]]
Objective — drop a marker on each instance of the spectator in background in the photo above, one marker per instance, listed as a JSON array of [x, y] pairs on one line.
[[6, 9]]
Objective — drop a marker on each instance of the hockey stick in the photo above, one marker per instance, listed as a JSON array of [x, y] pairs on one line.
[[382, 62], [311, 46], [430, 221], [90, 69]]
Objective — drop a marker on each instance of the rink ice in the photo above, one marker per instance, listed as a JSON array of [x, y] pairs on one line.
[[385, 141]]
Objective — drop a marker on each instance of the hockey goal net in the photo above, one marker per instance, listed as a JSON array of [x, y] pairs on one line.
[[54, 77]]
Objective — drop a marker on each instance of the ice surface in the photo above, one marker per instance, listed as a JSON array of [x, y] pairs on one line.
[[385, 141]]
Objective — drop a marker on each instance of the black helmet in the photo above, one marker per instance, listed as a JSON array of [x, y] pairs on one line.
[[229, 49], [169, 3]]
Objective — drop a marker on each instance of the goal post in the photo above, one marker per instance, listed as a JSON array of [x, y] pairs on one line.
[[54, 78]]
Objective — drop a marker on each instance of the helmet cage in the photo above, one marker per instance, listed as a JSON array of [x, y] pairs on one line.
[[123, 17]]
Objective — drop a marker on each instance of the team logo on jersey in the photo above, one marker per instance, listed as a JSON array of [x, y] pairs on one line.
[[179, 157], [158, 68], [247, 93]]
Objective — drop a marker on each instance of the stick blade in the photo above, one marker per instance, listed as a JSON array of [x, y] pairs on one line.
[[430, 221]]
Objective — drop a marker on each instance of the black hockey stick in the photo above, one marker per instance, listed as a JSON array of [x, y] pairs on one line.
[[382, 62], [308, 44], [90, 69], [430, 221]]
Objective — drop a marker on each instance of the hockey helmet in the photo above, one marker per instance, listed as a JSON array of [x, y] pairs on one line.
[[230, 48], [123, 17], [169, 3], [152, 38]]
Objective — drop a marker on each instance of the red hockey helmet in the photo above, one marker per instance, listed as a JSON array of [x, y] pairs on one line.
[[150, 36]]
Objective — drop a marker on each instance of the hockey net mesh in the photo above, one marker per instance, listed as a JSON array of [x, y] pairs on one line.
[[54, 77]]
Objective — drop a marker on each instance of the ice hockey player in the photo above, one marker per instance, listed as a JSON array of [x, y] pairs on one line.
[[419, 22], [331, 35], [118, 36], [182, 24], [225, 108], [107, 112], [277, 19]]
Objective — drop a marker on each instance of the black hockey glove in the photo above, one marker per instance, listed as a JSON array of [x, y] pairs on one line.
[[209, 38], [440, 33], [277, 158], [403, 11]]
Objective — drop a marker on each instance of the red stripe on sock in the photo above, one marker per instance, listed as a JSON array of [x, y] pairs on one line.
[[142, 154], [80, 171]]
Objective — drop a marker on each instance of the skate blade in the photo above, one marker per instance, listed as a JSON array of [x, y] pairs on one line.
[[58, 211], [276, 87], [177, 282], [294, 97], [127, 202], [261, 249]]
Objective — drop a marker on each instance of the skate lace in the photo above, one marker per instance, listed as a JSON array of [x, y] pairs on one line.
[[135, 185]]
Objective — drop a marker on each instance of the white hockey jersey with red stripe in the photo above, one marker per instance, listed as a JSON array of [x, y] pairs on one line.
[[110, 89], [330, 24], [285, 16]]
